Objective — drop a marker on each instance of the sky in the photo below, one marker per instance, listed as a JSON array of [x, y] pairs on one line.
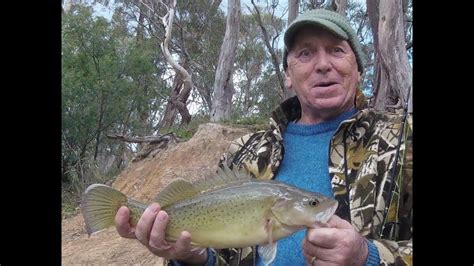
[[105, 12]]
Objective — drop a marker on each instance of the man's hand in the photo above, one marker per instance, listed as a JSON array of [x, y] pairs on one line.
[[150, 231], [338, 244]]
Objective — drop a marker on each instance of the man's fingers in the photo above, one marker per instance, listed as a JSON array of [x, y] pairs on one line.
[[122, 225], [321, 253], [307, 257], [158, 232], [186, 252], [145, 224], [183, 244], [323, 237], [337, 222]]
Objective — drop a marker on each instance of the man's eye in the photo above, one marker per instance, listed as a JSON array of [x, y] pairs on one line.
[[305, 53], [338, 50]]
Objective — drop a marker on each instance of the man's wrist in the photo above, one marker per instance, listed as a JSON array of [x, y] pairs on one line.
[[197, 258], [373, 257]]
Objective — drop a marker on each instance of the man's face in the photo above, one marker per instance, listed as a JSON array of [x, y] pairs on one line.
[[322, 69]]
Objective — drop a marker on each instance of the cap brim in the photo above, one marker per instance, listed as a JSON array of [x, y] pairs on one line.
[[325, 24]]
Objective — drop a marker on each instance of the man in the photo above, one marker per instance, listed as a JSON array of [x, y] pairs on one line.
[[365, 168]]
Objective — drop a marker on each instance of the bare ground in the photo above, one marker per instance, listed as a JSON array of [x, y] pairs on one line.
[[142, 180]]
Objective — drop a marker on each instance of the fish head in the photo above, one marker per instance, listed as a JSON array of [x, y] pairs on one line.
[[301, 208]]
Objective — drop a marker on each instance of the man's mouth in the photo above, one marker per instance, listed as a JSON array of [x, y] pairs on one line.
[[325, 84]]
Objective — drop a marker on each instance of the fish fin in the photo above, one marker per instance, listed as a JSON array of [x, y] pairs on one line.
[[224, 177], [99, 204], [179, 189], [267, 253]]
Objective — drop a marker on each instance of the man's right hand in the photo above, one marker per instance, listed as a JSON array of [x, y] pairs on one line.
[[150, 231]]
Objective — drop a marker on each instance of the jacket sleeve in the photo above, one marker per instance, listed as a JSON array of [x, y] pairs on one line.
[[395, 253], [401, 252]]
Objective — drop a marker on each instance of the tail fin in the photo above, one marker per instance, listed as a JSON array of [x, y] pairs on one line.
[[99, 205]]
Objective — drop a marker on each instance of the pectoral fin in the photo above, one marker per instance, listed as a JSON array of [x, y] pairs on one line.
[[267, 253]]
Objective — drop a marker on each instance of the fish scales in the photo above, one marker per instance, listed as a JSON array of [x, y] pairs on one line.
[[241, 208]]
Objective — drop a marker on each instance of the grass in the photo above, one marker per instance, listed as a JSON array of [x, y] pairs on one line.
[[69, 204], [73, 188], [253, 123]]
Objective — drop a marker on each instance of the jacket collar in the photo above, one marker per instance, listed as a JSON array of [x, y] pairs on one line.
[[290, 110]]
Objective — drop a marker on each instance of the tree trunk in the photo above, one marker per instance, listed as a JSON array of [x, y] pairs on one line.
[[340, 6], [140, 27], [373, 14], [183, 91], [394, 73], [293, 6], [171, 110], [314, 4], [67, 6], [223, 91], [99, 125], [123, 149]]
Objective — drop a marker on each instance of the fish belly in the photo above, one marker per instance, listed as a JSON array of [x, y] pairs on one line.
[[222, 220]]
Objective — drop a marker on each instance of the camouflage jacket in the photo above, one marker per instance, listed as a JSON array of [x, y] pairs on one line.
[[374, 194]]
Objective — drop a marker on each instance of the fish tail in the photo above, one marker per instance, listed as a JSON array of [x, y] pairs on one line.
[[99, 205]]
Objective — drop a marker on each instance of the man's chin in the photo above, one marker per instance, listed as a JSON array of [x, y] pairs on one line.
[[327, 104]]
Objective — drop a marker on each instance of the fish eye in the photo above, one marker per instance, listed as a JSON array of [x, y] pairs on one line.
[[313, 202]]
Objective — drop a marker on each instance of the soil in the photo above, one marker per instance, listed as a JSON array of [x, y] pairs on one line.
[[142, 180]]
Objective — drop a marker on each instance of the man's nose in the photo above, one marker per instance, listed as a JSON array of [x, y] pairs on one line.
[[323, 64]]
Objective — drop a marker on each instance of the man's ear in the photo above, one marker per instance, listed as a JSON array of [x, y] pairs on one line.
[[287, 80]]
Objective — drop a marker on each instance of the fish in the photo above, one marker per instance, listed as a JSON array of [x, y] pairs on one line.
[[229, 209]]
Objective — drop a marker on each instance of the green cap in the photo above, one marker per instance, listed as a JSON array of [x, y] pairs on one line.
[[331, 21]]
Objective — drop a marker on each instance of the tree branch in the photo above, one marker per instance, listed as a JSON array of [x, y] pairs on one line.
[[282, 92], [145, 139], [168, 22]]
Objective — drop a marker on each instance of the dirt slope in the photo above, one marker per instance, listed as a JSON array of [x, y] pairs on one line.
[[142, 180]]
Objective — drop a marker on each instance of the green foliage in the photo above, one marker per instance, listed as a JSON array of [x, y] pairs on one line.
[[253, 122], [182, 133], [110, 84], [202, 27], [257, 89], [69, 204]]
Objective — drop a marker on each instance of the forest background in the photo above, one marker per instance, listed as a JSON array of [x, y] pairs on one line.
[[137, 72]]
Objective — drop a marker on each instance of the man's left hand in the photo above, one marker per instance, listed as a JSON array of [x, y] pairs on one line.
[[337, 244]]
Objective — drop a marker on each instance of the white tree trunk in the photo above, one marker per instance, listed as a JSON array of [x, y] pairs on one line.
[[341, 6], [395, 71], [223, 90], [293, 7]]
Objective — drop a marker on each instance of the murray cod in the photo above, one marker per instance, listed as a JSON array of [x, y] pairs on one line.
[[227, 210]]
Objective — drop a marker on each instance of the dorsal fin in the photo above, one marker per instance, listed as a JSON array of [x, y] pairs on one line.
[[177, 190], [224, 177], [181, 189]]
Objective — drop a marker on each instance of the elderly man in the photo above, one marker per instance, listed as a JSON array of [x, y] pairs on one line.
[[321, 140]]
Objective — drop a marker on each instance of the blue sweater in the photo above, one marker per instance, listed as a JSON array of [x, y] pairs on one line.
[[305, 165]]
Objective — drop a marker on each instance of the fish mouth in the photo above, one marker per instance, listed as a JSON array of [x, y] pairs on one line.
[[330, 208]]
